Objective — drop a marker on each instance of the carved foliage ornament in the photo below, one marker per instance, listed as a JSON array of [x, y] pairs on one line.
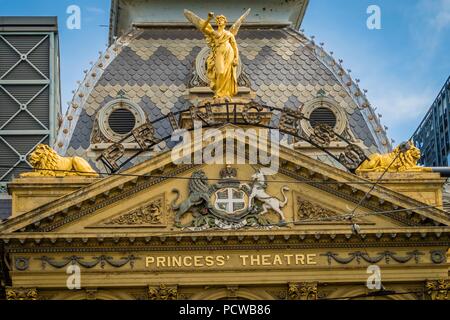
[[151, 213], [307, 210], [438, 289], [302, 291], [162, 293], [21, 294]]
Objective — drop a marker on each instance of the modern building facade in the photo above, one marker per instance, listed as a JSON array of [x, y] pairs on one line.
[[29, 93], [433, 134]]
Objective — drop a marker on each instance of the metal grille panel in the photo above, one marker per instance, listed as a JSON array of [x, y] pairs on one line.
[[25, 91]]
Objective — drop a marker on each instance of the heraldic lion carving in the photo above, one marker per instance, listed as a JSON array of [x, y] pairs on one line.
[[199, 190], [46, 162], [403, 158]]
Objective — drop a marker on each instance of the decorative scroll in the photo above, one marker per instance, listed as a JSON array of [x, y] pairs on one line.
[[387, 256], [438, 289], [162, 293], [100, 260], [151, 213], [302, 291], [238, 113], [21, 294]]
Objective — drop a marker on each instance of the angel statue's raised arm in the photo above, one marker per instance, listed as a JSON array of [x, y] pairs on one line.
[[223, 60]]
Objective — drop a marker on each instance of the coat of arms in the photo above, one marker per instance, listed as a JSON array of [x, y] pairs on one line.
[[228, 204]]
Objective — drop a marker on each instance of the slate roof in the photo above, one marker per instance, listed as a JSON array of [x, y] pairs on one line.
[[5, 208], [153, 67]]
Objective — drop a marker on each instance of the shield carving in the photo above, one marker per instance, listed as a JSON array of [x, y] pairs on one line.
[[230, 200]]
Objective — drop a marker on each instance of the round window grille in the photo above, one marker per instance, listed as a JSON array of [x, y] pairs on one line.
[[322, 115], [119, 117], [121, 121]]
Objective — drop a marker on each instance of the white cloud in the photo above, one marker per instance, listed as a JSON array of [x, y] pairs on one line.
[[95, 10], [402, 107], [436, 13], [442, 19]]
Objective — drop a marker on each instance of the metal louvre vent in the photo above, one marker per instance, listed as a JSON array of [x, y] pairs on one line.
[[322, 115], [121, 121], [24, 98]]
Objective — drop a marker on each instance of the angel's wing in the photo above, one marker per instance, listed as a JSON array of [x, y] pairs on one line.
[[198, 22], [235, 27]]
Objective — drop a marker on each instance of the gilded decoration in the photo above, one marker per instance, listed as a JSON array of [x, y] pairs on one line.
[[46, 162], [162, 293], [151, 213], [404, 158], [21, 294], [302, 291], [438, 289], [229, 204], [223, 59]]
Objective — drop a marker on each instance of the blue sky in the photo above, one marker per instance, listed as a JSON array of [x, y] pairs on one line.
[[403, 65]]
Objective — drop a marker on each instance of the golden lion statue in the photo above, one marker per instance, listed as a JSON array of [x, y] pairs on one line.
[[46, 162], [403, 158]]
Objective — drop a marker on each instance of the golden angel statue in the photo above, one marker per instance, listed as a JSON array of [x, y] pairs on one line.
[[223, 60]]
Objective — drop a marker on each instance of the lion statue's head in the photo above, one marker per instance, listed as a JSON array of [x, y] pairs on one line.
[[409, 155], [43, 157], [198, 182]]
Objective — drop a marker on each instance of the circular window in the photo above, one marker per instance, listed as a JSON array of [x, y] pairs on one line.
[[119, 117], [322, 115], [121, 121], [323, 110]]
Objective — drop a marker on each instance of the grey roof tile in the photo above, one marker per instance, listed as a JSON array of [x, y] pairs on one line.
[[5, 208]]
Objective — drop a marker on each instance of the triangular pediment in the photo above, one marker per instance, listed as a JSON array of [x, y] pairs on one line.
[[141, 199]]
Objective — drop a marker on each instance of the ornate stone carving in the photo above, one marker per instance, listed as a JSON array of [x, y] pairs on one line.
[[228, 204], [302, 291], [438, 289], [387, 256], [46, 162], [308, 210], [101, 260], [21, 294], [162, 293], [150, 213], [91, 294]]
